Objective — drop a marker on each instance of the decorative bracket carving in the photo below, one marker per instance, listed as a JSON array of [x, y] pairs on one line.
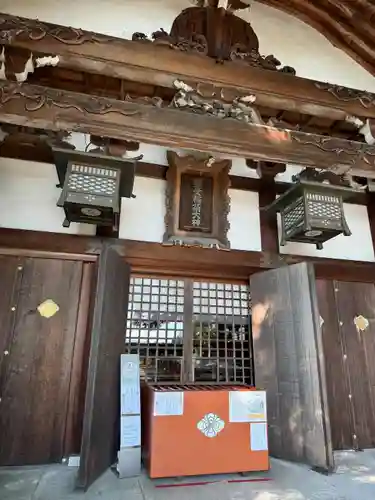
[[16, 63], [197, 201], [193, 99], [266, 170], [347, 94], [214, 31]]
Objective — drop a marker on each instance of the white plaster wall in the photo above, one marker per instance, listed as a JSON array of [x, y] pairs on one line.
[[358, 246], [28, 197], [244, 232], [142, 218], [290, 40]]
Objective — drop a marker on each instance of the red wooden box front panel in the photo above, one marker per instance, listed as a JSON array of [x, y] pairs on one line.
[[178, 448]]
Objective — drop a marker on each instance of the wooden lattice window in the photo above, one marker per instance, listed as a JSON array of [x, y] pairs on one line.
[[221, 334], [190, 331]]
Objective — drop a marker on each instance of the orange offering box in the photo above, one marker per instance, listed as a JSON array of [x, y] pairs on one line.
[[193, 430]]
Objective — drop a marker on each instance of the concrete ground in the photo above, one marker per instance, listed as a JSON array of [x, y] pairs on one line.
[[354, 480]]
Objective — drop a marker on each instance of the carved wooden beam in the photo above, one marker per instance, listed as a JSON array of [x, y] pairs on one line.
[[51, 109], [159, 65]]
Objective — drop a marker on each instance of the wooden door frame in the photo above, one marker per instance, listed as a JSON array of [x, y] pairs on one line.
[[46, 254], [145, 257]]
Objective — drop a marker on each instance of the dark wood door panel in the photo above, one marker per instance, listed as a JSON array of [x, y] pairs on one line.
[[100, 436], [288, 364], [36, 386], [336, 373], [354, 300]]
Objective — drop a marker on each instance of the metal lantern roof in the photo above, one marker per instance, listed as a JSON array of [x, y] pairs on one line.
[[297, 190], [127, 166]]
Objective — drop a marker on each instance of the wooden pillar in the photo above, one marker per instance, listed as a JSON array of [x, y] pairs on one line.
[[267, 171], [268, 225]]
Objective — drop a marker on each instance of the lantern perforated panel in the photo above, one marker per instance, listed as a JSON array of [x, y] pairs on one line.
[[324, 209], [93, 180], [294, 216]]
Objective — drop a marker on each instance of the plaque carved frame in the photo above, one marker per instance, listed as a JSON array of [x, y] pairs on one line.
[[218, 171]]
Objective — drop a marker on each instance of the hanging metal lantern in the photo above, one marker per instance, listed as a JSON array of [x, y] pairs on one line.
[[312, 212], [93, 185]]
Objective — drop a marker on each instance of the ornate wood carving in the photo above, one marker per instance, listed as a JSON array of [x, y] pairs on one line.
[[368, 131], [135, 61], [347, 153], [348, 25], [266, 170], [346, 94], [113, 147], [39, 107], [324, 176], [217, 33], [197, 201], [189, 99], [20, 28], [35, 98], [16, 63]]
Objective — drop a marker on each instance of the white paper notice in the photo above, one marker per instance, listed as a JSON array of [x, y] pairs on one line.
[[168, 403], [258, 436], [130, 400], [130, 431], [129, 368], [247, 406]]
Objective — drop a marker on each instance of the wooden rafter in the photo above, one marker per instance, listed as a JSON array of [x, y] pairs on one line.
[[348, 24], [51, 109], [159, 65]]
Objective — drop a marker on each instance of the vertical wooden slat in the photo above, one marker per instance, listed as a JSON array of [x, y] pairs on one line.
[[289, 365], [77, 387], [188, 338], [355, 299], [36, 386], [101, 419], [335, 363], [317, 427]]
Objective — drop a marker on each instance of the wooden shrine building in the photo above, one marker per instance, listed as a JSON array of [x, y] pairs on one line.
[[168, 173]]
